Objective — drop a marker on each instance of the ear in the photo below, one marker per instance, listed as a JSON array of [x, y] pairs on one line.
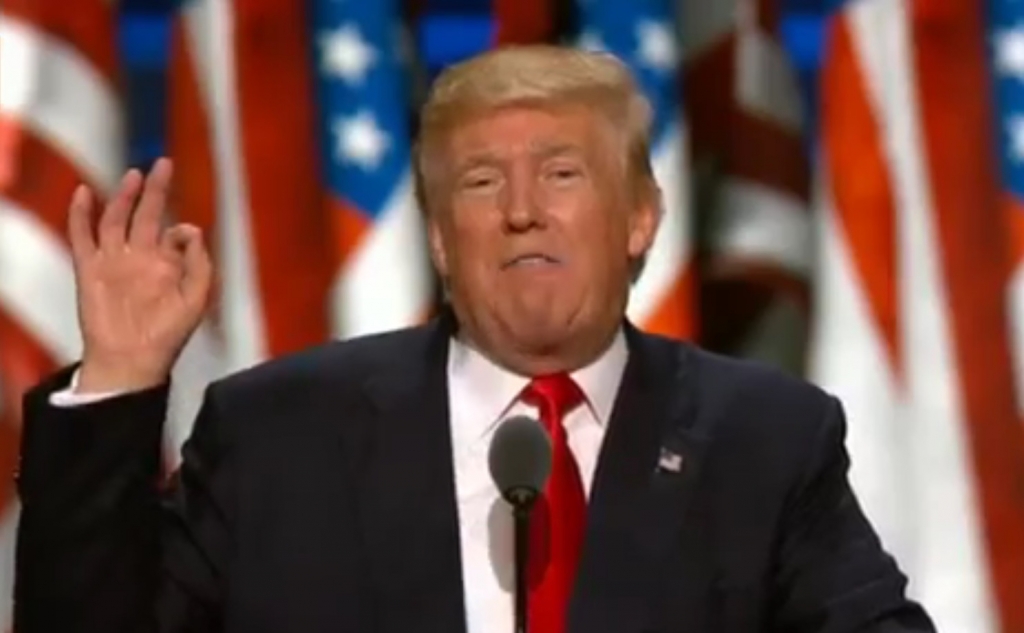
[[644, 221], [437, 250]]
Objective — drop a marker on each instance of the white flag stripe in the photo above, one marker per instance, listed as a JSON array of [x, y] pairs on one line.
[[373, 293], [765, 82], [848, 357], [37, 284], [911, 462], [209, 29], [704, 24], [763, 223], [65, 90]]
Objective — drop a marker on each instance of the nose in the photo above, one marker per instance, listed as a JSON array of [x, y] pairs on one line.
[[522, 207]]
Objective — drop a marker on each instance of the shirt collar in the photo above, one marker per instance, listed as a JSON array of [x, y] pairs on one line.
[[496, 388], [600, 380]]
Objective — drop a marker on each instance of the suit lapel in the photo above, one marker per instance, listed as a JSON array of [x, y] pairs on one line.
[[409, 513], [649, 460]]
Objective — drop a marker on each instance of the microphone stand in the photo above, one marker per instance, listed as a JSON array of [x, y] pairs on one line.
[[522, 519], [522, 503]]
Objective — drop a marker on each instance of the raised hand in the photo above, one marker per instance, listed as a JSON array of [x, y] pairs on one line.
[[142, 288]]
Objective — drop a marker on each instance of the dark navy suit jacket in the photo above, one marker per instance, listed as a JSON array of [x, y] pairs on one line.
[[316, 495]]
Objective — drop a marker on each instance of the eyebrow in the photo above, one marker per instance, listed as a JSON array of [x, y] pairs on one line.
[[478, 159], [548, 150], [487, 158]]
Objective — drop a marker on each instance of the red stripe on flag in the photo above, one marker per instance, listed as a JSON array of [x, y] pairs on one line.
[[45, 183], [707, 87], [675, 316], [767, 153], [350, 228], [89, 28], [864, 204], [1013, 210], [949, 54], [291, 229], [769, 13], [10, 141], [189, 137], [523, 21]]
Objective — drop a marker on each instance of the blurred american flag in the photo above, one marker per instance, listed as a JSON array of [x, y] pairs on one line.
[[751, 180], [242, 129], [382, 271], [61, 123], [1006, 48], [911, 323]]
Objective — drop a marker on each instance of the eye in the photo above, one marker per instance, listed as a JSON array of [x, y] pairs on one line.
[[478, 180], [564, 173]]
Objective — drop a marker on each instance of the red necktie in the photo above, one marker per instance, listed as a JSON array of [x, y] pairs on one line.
[[558, 518]]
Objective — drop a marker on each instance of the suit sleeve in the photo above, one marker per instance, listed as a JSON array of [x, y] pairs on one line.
[[833, 574], [102, 544]]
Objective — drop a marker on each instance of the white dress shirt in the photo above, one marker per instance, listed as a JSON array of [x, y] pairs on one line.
[[480, 395]]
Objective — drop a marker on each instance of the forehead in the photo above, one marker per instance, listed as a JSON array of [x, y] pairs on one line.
[[518, 130]]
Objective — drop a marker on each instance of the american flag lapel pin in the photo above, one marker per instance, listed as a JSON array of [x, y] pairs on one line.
[[670, 461]]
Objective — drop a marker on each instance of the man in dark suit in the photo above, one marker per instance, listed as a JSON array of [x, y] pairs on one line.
[[345, 488]]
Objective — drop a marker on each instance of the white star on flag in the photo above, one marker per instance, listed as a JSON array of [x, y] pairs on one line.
[[360, 140], [1015, 129], [1009, 52], [346, 54], [657, 45]]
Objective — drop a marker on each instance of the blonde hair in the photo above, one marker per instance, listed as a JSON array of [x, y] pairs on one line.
[[535, 75]]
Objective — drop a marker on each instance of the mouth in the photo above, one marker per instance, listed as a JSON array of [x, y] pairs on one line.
[[531, 259]]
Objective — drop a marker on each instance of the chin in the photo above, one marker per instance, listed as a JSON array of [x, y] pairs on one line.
[[542, 328], [542, 338]]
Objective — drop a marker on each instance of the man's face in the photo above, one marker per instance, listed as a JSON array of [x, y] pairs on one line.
[[535, 229]]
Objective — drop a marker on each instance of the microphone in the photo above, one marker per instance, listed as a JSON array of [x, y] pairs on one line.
[[520, 462]]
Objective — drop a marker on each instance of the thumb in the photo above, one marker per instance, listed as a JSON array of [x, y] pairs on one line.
[[187, 241]]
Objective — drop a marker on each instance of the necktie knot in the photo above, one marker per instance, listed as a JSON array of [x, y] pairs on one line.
[[554, 394]]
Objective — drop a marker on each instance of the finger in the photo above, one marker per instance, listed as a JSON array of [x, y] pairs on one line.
[[198, 276], [80, 224], [114, 221], [174, 240], [145, 223]]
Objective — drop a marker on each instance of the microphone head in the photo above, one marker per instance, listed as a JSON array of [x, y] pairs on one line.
[[520, 459]]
